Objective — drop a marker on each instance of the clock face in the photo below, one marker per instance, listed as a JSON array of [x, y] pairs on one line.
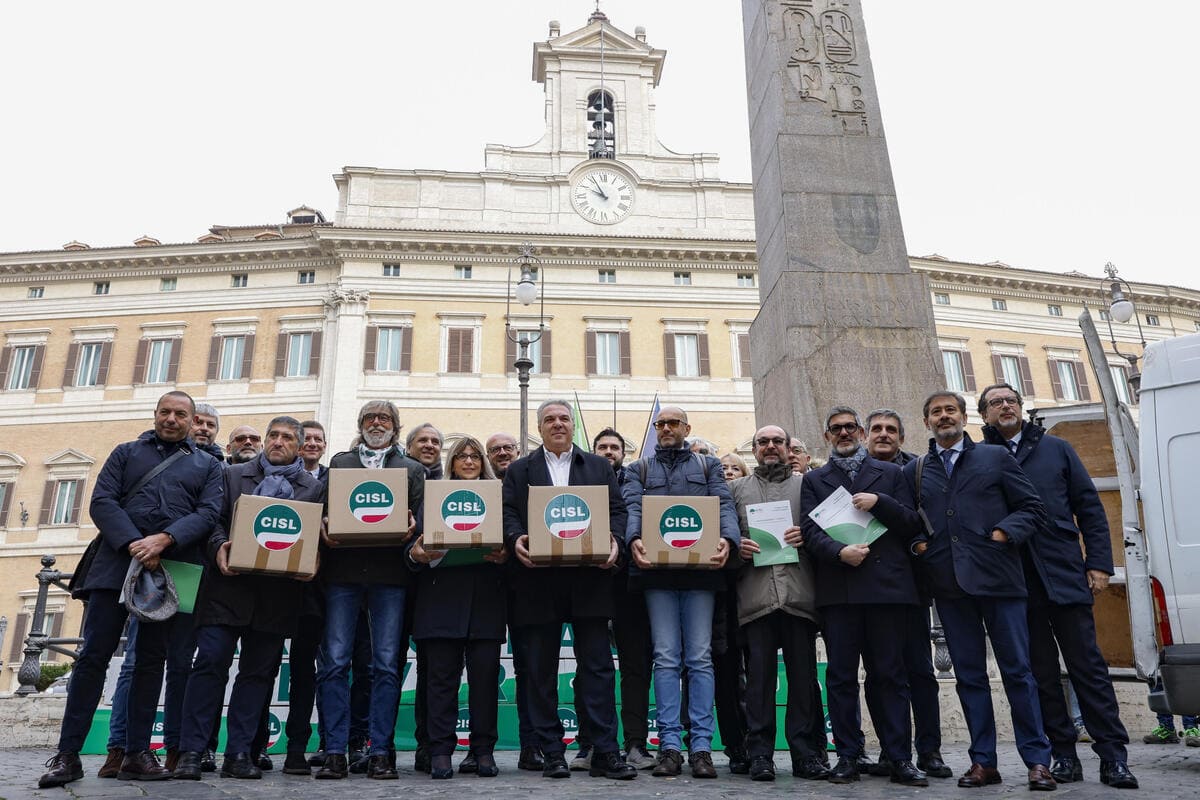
[[602, 196]]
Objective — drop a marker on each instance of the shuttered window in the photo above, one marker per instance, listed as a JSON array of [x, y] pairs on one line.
[[743, 355], [61, 501], [960, 372], [388, 349], [1069, 381], [539, 351], [686, 355], [21, 366], [460, 350], [298, 355], [230, 357]]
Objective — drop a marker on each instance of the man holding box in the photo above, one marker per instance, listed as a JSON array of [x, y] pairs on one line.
[[260, 611], [546, 597], [680, 601]]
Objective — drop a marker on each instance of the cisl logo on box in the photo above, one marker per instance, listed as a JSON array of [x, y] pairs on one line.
[[568, 516], [681, 526], [277, 527], [371, 502], [463, 511]]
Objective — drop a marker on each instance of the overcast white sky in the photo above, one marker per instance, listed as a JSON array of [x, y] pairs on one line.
[[1051, 135]]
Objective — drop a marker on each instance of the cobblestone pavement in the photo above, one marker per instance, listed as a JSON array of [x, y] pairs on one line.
[[1164, 772]]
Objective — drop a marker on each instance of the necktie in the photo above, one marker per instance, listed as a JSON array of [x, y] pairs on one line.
[[948, 461], [1012, 448]]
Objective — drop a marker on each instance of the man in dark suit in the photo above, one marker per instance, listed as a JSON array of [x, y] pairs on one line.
[[260, 611], [545, 598], [1061, 582], [980, 507], [864, 592]]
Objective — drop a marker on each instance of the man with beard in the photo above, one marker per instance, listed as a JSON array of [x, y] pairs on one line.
[[978, 508], [377, 578], [244, 444], [863, 592], [206, 422], [157, 496], [501, 451], [247, 614], [424, 444], [1061, 582], [776, 612]]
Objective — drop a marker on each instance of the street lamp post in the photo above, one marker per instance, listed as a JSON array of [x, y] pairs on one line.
[[1122, 309], [528, 289]]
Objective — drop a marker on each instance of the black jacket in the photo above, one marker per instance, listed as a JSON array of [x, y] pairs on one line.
[[264, 603]]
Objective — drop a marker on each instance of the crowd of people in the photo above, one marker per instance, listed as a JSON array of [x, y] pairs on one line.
[[989, 531]]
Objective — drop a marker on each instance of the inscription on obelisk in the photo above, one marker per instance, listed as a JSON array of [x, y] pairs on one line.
[[843, 319]]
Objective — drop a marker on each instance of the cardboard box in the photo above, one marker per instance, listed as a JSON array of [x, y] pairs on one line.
[[568, 525], [461, 514], [681, 531], [274, 537], [368, 507]]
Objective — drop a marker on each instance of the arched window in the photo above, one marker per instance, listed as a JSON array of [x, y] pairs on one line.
[[602, 137]]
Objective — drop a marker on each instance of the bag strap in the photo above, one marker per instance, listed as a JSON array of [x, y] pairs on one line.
[[921, 459], [183, 450]]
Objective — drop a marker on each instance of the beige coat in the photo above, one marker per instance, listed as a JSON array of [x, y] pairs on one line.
[[786, 587]]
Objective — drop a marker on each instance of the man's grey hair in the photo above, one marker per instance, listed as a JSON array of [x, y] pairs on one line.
[[554, 402], [412, 435], [838, 410], [207, 410], [886, 412], [693, 441], [288, 422]]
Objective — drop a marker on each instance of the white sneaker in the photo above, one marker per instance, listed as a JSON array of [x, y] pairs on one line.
[[582, 762], [639, 757]]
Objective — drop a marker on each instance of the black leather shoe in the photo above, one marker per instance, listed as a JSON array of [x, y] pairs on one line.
[[555, 766], [1117, 775], [810, 768], [334, 768], [62, 768], [142, 766], [240, 765], [296, 764], [863, 764], [317, 759], [931, 764], [441, 768], [264, 762], [188, 768], [357, 761], [485, 766], [208, 761], [379, 769], [531, 759], [881, 768], [845, 771], [611, 766], [739, 760], [468, 765], [905, 774], [762, 768], [1066, 770], [421, 760]]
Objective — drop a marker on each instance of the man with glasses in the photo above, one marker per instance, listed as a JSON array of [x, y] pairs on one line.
[[798, 456], [777, 611], [501, 451], [377, 578], [1062, 581], [864, 592], [978, 508], [680, 601], [244, 445]]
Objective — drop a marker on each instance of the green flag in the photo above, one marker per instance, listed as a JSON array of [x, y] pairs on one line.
[[581, 437]]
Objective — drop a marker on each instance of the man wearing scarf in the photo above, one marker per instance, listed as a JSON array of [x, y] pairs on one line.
[[864, 593], [375, 578], [777, 611], [260, 611]]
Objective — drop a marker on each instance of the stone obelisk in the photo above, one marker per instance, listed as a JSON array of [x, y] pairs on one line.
[[843, 321]]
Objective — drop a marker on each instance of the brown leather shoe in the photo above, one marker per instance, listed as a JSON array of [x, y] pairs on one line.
[[142, 766], [979, 775], [112, 764], [172, 760], [1040, 779]]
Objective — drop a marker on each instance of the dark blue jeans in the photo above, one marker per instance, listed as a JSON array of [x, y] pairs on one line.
[[117, 722], [102, 627]]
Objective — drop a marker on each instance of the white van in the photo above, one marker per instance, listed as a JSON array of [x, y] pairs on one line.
[[1169, 440]]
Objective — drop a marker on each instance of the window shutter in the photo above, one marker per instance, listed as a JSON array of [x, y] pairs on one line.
[[968, 371], [452, 344], [1055, 383], [314, 355], [1085, 394], [173, 360], [510, 354], [105, 358], [214, 357], [47, 500], [139, 361], [406, 335], [17, 653], [9, 488], [743, 343], [702, 349], [248, 356], [5, 357], [55, 632], [35, 374], [589, 353], [626, 358], [669, 354], [466, 346], [546, 346], [370, 348], [75, 506], [998, 368], [1026, 377], [72, 363], [281, 356]]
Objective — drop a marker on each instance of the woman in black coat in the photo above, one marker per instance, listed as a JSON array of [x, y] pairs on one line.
[[460, 615]]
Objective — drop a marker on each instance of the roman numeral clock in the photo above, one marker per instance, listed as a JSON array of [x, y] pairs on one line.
[[602, 195]]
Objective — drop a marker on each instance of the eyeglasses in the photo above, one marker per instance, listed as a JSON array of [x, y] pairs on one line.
[[246, 438], [659, 424], [997, 402], [502, 448], [468, 457], [378, 418], [848, 427], [777, 441]]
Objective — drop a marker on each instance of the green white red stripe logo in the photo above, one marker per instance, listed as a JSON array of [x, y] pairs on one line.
[[680, 526], [371, 502], [463, 511], [568, 516], [277, 527]]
